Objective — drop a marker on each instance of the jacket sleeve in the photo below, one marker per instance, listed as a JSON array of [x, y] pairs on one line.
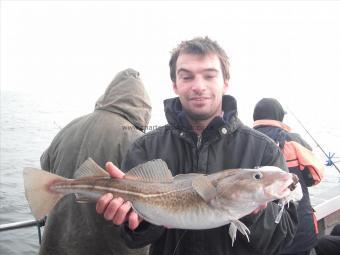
[[45, 161], [146, 232], [266, 236]]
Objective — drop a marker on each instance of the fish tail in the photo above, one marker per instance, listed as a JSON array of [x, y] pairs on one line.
[[40, 197]]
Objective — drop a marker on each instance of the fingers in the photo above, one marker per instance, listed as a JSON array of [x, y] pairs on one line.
[[117, 210], [122, 213], [103, 202], [112, 208], [260, 207], [263, 206], [134, 220], [114, 171]]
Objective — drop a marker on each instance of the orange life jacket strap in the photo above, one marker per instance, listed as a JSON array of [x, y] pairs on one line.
[[315, 221]]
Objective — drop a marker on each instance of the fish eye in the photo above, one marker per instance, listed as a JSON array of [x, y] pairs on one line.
[[258, 176]]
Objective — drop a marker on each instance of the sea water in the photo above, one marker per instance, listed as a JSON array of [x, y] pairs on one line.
[[28, 125]]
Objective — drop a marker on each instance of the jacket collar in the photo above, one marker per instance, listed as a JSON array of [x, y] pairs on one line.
[[177, 118], [274, 123]]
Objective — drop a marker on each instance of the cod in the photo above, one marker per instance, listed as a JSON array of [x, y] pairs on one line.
[[184, 201]]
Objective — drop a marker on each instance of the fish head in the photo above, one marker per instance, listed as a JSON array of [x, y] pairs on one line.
[[259, 185]]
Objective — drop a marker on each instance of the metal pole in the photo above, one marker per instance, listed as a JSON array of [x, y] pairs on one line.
[[15, 225], [23, 224]]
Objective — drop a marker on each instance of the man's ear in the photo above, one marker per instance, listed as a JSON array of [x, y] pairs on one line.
[[174, 88], [225, 86]]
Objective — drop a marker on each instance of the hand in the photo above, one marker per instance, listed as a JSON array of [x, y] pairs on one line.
[[258, 209], [116, 209]]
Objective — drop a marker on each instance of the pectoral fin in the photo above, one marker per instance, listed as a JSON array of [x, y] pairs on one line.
[[237, 225], [86, 198], [81, 199], [203, 186]]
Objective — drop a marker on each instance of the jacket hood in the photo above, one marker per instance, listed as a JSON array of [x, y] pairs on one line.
[[126, 96], [268, 108], [177, 117]]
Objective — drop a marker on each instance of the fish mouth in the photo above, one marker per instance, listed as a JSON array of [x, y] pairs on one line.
[[294, 183], [287, 185], [284, 192]]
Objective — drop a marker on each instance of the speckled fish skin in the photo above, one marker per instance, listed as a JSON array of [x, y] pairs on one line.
[[186, 201]]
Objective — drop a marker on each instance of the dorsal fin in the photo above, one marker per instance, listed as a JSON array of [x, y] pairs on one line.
[[89, 168], [152, 171]]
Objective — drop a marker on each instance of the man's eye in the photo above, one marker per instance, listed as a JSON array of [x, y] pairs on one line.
[[186, 78], [209, 77]]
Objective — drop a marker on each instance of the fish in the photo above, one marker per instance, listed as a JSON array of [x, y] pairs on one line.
[[185, 201]]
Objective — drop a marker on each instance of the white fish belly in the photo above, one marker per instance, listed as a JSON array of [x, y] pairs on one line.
[[202, 217]]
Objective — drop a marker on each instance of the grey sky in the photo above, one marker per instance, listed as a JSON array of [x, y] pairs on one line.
[[289, 50]]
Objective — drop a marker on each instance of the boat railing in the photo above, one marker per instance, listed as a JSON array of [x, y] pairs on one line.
[[24, 224]]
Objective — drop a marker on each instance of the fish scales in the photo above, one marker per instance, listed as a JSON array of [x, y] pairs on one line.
[[174, 196]]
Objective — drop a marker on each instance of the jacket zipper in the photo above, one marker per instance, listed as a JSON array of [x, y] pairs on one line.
[[199, 142], [198, 146]]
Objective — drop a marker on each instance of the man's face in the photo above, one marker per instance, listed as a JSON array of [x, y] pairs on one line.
[[200, 85]]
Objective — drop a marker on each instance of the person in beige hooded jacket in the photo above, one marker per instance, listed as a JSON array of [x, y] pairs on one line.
[[119, 117]]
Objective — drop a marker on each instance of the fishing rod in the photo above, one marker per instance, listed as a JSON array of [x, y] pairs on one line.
[[329, 156]]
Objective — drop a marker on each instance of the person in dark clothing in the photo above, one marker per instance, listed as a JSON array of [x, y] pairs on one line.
[[203, 135], [268, 116], [104, 135], [329, 244]]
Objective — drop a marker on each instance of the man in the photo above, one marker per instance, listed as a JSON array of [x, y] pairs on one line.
[[204, 135], [104, 135], [268, 116], [329, 244]]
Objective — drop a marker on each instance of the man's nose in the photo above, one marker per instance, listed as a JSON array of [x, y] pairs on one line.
[[199, 85]]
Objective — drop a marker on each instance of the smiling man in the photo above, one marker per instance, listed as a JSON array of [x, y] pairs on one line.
[[203, 135], [200, 86]]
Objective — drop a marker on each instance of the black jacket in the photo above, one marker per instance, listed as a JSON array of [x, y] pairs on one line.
[[306, 237], [226, 143]]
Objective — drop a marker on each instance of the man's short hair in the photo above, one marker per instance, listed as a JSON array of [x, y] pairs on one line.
[[199, 46]]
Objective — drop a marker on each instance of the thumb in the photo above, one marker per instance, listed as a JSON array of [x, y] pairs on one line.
[[114, 171]]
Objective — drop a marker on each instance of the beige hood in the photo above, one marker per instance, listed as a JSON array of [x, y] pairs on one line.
[[126, 96]]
